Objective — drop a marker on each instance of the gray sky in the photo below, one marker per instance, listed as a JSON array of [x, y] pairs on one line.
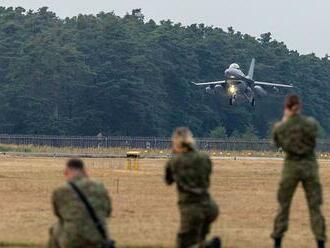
[[302, 24]]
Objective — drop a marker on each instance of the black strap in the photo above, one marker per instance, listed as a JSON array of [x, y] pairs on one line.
[[90, 211]]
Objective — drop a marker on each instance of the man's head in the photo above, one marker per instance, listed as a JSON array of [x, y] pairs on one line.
[[74, 167], [292, 104], [182, 140]]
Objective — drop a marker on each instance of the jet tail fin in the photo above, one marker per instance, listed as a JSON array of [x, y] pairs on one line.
[[251, 70]]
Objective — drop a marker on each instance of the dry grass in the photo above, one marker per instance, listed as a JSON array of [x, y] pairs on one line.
[[145, 212], [144, 152], [123, 150]]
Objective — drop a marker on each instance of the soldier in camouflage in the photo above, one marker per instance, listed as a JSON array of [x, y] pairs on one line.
[[296, 135], [75, 228], [191, 171]]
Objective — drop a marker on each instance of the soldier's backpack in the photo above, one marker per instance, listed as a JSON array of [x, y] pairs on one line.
[[107, 243]]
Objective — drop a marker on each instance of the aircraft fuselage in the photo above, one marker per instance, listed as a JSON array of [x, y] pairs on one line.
[[232, 73], [236, 82], [237, 85]]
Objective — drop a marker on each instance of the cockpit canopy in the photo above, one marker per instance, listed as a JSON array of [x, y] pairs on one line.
[[234, 66]]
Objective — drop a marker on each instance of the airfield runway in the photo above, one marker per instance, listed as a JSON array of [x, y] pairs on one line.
[[145, 212]]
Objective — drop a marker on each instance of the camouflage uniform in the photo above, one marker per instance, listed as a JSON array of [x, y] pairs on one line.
[[75, 228], [191, 172], [297, 137]]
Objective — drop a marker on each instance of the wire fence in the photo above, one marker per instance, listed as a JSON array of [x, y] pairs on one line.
[[143, 142]]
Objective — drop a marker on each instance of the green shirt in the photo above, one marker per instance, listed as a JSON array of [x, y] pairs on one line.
[[76, 225], [191, 172], [297, 137]]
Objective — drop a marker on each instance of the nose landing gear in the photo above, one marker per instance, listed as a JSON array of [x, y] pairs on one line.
[[232, 100], [253, 102]]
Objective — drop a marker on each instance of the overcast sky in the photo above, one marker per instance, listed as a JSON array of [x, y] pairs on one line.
[[302, 24]]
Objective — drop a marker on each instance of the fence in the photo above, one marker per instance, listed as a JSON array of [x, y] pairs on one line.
[[142, 142]]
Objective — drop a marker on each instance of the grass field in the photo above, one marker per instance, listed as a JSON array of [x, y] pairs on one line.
[[145, 213], [6, 148], [39, 151]]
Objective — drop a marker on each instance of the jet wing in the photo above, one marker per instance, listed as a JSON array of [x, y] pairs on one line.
[[210, 83], [274, 85]]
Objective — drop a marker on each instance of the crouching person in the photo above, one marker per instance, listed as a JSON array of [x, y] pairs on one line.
[[191, 172], [82, 207]]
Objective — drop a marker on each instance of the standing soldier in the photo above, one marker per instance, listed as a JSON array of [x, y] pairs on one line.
[[191, 172], [75, 227], [296, 135]]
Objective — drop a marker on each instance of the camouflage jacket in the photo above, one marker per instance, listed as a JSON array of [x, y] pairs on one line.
[[297, 137], [75, 223], [191, 172]]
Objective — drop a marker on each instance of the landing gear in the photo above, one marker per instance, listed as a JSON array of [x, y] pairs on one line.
[[232, 100], [253, 102]]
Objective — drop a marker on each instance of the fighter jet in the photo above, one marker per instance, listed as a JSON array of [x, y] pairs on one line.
[[238, 86]]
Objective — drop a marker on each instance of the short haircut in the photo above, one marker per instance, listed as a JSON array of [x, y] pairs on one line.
[[185, 136], [75, 164], [292, 101]]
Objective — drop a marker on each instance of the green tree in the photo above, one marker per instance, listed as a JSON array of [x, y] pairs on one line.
[[250, 133], [130, 76], [265, 38], [236, 135], [219, 132]]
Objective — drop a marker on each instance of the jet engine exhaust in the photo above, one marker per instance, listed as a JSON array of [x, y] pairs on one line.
[[218, 88], [208, 90]]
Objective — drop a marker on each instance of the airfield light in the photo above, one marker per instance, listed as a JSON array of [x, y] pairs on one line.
[[232, 89]]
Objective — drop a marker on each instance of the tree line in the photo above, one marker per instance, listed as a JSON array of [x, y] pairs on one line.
[[115, 75]]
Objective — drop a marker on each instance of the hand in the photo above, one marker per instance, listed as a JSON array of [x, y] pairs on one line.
[[286, 115]]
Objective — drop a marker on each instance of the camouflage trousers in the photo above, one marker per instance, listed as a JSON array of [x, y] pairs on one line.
[[58, 238], [307, 173], [196, 220], [54, 236]]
